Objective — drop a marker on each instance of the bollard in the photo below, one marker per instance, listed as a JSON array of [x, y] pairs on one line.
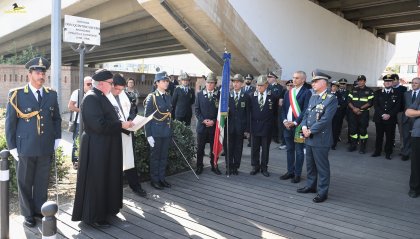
[[4, 194], [49, 222]]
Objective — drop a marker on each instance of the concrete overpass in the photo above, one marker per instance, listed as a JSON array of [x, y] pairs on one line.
[[343, 37]]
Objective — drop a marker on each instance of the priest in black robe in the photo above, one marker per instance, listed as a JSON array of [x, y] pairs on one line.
[[99, 179]]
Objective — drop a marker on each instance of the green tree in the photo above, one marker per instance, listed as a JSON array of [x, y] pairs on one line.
[[19, 58]]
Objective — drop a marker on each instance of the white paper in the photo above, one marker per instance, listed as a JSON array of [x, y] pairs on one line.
[[140, 121]]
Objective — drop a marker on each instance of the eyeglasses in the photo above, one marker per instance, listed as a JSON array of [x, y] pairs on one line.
[[88, 84], [109, 82]]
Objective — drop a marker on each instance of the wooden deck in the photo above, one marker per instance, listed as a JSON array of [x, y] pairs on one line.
[[368, 199]]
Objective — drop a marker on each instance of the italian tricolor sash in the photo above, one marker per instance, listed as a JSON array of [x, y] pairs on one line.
[[296, 112]]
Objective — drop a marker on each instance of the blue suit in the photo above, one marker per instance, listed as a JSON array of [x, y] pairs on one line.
[[160, 129], [34, 139], [318, 119], [294, 150]]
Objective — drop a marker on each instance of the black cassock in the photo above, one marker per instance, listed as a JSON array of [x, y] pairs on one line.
[[99, 178]]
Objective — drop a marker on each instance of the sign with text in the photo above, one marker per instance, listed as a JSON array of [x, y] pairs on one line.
[[80, 29]]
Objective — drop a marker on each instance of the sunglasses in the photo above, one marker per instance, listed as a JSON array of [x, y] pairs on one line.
[[89, 84]]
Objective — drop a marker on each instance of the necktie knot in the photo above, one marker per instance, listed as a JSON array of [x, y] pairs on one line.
[[39, 96]]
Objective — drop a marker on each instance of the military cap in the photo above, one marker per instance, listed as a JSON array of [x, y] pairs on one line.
[[262, 80], [184, 76], [361, 77], [211, 78], [335, 83], [238, 77], [318, 75], [271, 74], [161, 76], [388, 77], [38, 63], [102, 75], [249, 77], [342, 81], [289, 82], [395, 76], [118, 79]]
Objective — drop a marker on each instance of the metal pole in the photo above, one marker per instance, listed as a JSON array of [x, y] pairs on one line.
[[173, 140], [49, 222], [4, 194], [56, 48], [82, 51], [227, 145]]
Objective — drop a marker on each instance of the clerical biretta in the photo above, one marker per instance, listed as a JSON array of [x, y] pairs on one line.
[[99, 179]]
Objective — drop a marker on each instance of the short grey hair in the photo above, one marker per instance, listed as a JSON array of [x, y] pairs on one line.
[[415, 78], [302, 73]]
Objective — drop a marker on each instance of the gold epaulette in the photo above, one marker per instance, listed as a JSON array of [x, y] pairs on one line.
[[22, 115]]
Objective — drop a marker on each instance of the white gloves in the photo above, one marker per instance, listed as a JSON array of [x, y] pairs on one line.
[[57, 143], [14, 153], [151, 141]]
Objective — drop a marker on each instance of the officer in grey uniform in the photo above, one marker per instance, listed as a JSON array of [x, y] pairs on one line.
[[33, 131], [158, 130], [183, 99], [317, 130]]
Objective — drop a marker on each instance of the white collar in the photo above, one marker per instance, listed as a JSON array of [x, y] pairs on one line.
[[33, 89]]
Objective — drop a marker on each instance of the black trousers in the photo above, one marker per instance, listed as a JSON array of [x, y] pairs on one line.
[[202, 138], [132, 178], [358, 124], [260, 143], [389, 131], [337, 124], [236, 144], [185, 119], [415, 164]]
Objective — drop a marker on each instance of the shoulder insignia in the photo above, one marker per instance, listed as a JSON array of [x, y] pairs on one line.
[[17, 88], [269, 92], [255, 93]]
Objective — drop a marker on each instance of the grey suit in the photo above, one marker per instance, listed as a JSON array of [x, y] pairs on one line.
[[318, 118], [407, 124], [34, 139]]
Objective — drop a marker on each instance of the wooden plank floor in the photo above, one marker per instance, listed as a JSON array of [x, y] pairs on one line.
[[368, 199]]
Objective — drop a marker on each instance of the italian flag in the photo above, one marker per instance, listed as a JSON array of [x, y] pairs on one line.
[[222, 113]]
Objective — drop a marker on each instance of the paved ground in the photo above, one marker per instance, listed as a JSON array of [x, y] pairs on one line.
[[368, 199]]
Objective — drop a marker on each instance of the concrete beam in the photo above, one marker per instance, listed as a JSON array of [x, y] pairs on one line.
[[346, 5], [408, 28], [393, 21], [389, 10]]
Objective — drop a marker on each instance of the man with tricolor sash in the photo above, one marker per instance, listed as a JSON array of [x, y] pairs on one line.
[[294, 105]]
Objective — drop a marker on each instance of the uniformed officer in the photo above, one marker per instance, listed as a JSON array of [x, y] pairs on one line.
[[238, 124], [263, 112], [206, 107], [317, 130], [158, 130], [387, 105], [360, 101], [33, 132], [276, 89], [335, 124], [400, 90], [248, 88], [182, 100], [342, 111]]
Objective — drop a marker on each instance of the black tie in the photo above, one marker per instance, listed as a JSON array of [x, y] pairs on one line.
[[163, 96], [39, 96], [414, 97]]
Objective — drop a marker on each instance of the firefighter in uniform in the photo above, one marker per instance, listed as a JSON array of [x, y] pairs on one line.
[[387, 104], [360, 101]]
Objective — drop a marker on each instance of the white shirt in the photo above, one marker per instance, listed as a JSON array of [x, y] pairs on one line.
[[75, 98], [387, 90], [33, 89], [290, 111], [264, 96]]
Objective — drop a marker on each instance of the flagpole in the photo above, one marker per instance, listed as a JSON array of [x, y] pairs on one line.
[[227, 144]]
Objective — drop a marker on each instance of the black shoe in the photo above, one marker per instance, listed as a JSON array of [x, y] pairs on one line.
[[376, 154], [265, 173], [29, 222], [333, 147], [156, 185], [287, 176], [412, 194], [216, 170], [165, 184], [235, 171], [319, 198], [362, 150], [254, 171], [295, 179], [388, 156], [277, 141], [101, 224], [306, 190], [199, 170], [38, 215], [405, 157], [139, 191]]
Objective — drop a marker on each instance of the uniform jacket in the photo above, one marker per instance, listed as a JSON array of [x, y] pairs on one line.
[[23, 133], [206, 108], [250, 90], [318, 118], [262, 120], [386, 103], [360, 96], [239, 113], [302, 98], [182, 101], [276, 89], [407, 102], [160, 125]]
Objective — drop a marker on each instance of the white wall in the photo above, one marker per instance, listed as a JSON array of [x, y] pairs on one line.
[[301, 35]]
